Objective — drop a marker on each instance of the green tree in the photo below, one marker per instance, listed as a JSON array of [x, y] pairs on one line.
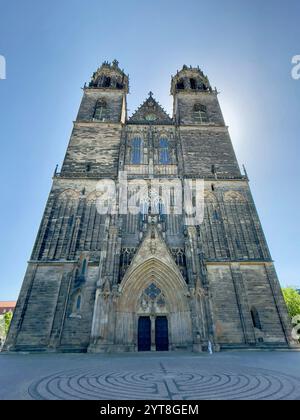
[[292, 300], [7, 319]]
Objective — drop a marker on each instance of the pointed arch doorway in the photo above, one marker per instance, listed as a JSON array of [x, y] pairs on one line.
[[153, 333], [153, 295]]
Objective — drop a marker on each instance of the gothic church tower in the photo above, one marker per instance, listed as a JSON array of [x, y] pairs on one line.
[[148, 280]]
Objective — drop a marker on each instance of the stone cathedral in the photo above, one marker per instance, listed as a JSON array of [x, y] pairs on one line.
[[147, 280]]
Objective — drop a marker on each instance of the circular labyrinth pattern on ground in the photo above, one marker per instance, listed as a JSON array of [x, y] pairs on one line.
[[253, 384]]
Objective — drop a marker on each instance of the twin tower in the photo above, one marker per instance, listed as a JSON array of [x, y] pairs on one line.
[[149, 280]]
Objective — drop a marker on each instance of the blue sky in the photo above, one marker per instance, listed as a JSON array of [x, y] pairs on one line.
[[52, 48]]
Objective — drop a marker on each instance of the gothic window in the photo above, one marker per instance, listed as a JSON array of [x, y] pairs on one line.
[[193, 84], [194, 200], [164, 155], [255, 318], [100, 113], [152, 291], [136, 152], [84, 267], [76, 304], [200, 113], [144, 210], [180, 85], [161, 208], [179, 255], [106, 82], [172, 197], [127, 255], [119, 84], [152, 299]]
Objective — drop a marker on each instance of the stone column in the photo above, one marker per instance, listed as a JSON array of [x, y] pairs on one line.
[[199, 319]]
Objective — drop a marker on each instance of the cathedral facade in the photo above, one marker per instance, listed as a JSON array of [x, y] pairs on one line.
[[142, 275]]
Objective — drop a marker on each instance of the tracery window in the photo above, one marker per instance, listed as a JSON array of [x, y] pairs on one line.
[[100, 113], [180, 85], [200, 113], [164, 154], [193, 84], [144, 210], [136, 152], [106, 81]]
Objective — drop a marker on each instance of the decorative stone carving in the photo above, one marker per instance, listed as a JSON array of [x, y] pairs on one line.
[[152, 300], [233, 196]]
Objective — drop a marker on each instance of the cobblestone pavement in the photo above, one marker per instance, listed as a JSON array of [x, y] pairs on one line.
[[177, 376]]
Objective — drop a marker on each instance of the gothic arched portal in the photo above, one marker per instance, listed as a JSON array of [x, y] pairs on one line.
[[155, 290]]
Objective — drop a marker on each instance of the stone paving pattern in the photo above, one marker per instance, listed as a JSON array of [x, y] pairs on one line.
[[161, 376]]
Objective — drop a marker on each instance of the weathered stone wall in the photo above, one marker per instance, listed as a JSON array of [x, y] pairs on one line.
[[93, 151], [231, 228], [33, 319], [113, 99], [185, 102], [204, 147], [71, 223], [238, 289], [225, 307], [260, 295]]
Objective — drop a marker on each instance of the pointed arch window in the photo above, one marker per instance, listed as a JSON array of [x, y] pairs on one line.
[[106, 81], [200, 113], [255, 318], [119, 85], [100, 113], [144, 210], [193, 84], [180, 84], [136, 151], [164, 155], [76, 304], [161, 211], [84, 267]]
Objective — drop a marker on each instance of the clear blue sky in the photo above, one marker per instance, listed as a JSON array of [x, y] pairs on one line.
[[52, 48]]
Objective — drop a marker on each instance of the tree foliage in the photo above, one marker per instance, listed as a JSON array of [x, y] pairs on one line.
[[7, 319], [292, 300]]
